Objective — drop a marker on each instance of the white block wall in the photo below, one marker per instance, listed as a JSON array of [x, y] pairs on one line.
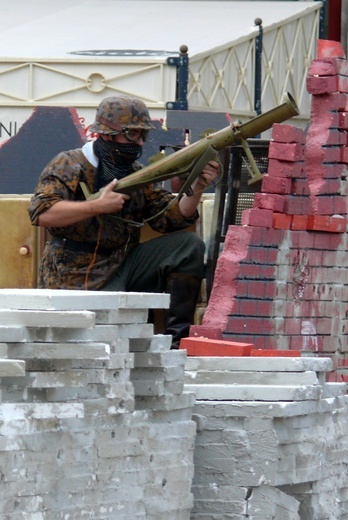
[[272, 439], [100, 420], [94, 422]]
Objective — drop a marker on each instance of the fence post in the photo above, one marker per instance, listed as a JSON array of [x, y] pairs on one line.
[[258, 67], [181, 63]]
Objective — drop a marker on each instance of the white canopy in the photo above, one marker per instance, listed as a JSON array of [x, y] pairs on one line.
[[57, 28]]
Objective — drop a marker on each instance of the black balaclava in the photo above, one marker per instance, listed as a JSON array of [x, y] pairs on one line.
[[115, 159]]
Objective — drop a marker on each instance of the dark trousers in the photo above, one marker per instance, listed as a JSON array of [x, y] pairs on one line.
[[149, 264]]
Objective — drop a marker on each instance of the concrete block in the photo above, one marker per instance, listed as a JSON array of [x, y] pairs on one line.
[[36, 318], [252, 378], [12, 368], [120, 316], [266, 502], [107, 333], [169, 373], [160, 343], [3, 350], [257, 364], [71, 350], [50, 299], [157, 388], [120, 392], [10, 413], [182, 403], [255, 392], [163, 359], [70, 378], [115, 361]]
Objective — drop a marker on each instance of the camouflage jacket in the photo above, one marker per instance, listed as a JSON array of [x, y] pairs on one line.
[[62, 268]]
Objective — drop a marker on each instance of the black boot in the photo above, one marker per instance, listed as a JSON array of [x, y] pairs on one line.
[[184, 291]]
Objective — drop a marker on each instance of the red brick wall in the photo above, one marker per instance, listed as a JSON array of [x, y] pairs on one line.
[[281, 281]]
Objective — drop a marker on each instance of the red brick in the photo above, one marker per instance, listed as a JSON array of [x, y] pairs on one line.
[[323, 67], [272, 237], [242, 288], [318, 223], [342, 84], [261, 342], [269, 201], [299, 222], [323, 326], [343, 155], [333, 377], [302, 240], [342, 66], [344, 188], [264, 308], [329, 49], [300, 187], [278, 168], [214, 348], [329, 258], [296, 205], [292, 326], [248, 325], [321, 240], [325, 119], [332, 154], [328, 171], [257, 289], [339, 376], [247, 270], [343, 120], [328, 67], [283, 133], [322, 84], [330, 205], [336, 137], [275, 353], [327, 105], [267, 271], [207, 332], [259, 255], [328, 187], [256, 237], [273, 255], [247, 308], [340, 205], [281, 221], [285, 151], [324, 205], [257, 217], [279, 185], [338, 225]]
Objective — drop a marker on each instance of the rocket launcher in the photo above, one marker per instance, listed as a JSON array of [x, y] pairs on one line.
[[194, 157]]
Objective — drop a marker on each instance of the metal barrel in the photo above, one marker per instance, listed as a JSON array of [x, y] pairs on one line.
[[169, 166]]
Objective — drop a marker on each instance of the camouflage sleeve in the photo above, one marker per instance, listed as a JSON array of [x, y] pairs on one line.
[[171, 218], [58, 181]]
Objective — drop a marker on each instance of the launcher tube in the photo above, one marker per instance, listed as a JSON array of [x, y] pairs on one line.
[[233, 134]]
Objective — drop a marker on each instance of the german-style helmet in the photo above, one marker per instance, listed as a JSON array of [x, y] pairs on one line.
[[117, 113]]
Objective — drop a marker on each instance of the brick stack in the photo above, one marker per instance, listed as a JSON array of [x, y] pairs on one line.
[[282, 279], [94, 420], [271, 439]]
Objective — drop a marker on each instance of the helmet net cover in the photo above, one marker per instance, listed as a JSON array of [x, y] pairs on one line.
[[116, 113]]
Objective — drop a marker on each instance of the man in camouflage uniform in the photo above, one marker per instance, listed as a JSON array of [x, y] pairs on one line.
[[95, 243]]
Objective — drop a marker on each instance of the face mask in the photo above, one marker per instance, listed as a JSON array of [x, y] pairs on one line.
[[115, 159]]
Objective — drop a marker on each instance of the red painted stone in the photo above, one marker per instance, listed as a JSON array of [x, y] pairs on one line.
[[214, 348]]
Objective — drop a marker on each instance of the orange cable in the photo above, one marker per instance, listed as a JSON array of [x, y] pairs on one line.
[[89, 268]]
